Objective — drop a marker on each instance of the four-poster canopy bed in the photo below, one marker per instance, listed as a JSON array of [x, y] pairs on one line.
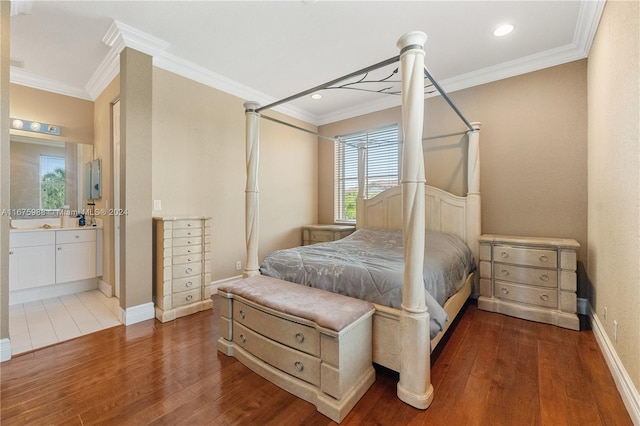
[[400, 335]]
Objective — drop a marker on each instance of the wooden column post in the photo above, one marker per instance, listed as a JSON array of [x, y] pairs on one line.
[[414, 386], [252, 267]]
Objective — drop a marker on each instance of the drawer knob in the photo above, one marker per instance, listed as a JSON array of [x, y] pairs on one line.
[[77, 236], [544, 277], [188, 270], [188, 225], [242, 314], [188, 259], [10, 251], [59, 248], [543, 258], [504, 254], [299, 337], [189, 297], [544, 297], [188, 241], [504, 272], [505, 290], [299, 366], [242, 338], [188, 233], [189, 284]]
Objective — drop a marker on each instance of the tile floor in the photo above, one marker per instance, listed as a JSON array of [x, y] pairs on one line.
[[44, 322]]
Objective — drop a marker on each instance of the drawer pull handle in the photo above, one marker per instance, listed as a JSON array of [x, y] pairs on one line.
[[544, 297], [504, 272], [504, 254], [242, 338], [544, 277], [242, 314], [188, 241], [299, 337], [505, 290], [188, 259], [189, 283], [77, 236], [188, 270], [10, 251], [59, 248], [188, 233], [189, 297], [188, 225], [299, 366], [543, 258]]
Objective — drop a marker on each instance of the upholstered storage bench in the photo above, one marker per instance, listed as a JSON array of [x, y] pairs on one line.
[[312, 343]]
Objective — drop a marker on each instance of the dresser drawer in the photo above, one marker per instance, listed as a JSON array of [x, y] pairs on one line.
[[293, 334], [547, 298], [187, 258], [183, 250], [181, 271], [186, 297], [188, 232], [187, 241], [322, 236], [291, 361], [525, 256], [79, 236], [187, 224], [188, 283], [523, 275], [29, 239]]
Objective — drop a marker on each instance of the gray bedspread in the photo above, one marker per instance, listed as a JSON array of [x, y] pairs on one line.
[[369, 265]]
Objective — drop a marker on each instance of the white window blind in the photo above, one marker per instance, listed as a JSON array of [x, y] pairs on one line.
[[382, 165]]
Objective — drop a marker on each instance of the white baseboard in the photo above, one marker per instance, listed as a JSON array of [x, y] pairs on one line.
[[218, 283], [54, 290], [136, 314], [628, 391], [105, 288], [5, 350]]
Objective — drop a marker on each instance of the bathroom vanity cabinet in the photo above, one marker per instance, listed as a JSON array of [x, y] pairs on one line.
[[48, 263]]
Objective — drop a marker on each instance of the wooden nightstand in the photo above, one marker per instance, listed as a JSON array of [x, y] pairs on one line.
[[530, 278], [312, 234]]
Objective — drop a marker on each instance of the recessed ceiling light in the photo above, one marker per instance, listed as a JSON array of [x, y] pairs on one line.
[[503, 30], [316, 96]]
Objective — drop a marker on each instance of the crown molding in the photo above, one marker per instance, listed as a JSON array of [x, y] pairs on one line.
[[586, 27], [120, 35], [24, 78]]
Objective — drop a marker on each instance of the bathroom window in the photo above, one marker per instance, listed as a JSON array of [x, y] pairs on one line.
[[52, 182]]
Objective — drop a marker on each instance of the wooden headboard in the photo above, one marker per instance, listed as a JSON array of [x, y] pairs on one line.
[[444, 212]]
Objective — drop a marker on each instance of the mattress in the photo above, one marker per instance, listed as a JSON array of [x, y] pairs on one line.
[[369, 265]]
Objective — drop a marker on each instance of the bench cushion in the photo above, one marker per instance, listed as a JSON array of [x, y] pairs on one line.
[[329, 310]]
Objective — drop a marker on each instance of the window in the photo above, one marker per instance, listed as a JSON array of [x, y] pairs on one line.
[[382, 165], [52, 182]]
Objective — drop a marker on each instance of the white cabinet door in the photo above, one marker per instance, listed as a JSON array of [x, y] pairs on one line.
[[75, 261], [31, 266]]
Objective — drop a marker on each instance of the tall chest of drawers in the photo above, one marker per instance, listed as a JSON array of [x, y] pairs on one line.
[[182, 266], [530, 278]]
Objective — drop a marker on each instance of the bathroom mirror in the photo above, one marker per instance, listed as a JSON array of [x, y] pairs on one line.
[[45, 175]]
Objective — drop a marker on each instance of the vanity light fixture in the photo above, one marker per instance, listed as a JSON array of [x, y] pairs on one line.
[[316, 96], [35, 126], [503, 30]]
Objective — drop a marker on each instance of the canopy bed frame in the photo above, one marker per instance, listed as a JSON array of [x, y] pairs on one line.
[[400, 337]]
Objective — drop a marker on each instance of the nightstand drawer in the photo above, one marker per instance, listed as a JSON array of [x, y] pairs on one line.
[[186, 297], [322, 236], [525, 256], [532, 276], [526, 294]]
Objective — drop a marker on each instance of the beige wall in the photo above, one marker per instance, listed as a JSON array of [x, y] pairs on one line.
[[103, 149], [73, 115], [199, 169], [614, 178], [533, 148]]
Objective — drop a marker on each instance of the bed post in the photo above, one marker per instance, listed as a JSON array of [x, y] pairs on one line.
[[474, 226], [414, 386], [360, 210], [252, 266]]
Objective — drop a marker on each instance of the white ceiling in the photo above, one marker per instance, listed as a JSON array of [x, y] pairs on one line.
[[265, 50]]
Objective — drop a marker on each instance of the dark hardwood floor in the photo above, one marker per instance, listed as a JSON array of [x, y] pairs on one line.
[[493, 370]]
